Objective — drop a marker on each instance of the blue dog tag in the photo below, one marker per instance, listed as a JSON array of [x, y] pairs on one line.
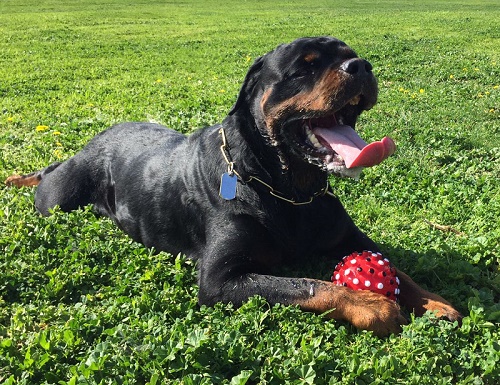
[[228, 186]]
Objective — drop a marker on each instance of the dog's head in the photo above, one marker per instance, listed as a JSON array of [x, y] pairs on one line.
[[305, 98]]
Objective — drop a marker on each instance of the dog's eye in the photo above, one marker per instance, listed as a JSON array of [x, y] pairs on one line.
[[305, 69], [300, 73]]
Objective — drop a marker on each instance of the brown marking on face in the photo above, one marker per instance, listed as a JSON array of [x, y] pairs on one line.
[[320, 99], [309, 58], [265, 96], [418, 300], [363, 309], [29, 180]]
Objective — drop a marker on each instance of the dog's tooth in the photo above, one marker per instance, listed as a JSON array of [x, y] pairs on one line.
[[312, 138]]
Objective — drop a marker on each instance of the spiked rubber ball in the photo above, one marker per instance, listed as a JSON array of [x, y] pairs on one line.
[[367, 271]]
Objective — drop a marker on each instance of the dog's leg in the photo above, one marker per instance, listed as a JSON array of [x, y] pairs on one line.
[[69, 185], [31, 179], [418, 300], [363, 309]]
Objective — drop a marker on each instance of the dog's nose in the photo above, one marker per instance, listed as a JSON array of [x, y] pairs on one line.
[[356, 66]]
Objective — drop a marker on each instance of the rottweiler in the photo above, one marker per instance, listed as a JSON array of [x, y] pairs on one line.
[[250, 194]]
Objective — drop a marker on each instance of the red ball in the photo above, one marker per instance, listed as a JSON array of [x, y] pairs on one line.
[[367, 271]]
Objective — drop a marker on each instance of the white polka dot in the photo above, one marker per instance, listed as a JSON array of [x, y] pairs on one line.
[[353, 261], [355, 281], [380, 262], [347, 272], [380, 285], [337, 276], [368, 283], [397, 280]]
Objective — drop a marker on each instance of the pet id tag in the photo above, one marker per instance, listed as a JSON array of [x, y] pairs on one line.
[[228, 186]]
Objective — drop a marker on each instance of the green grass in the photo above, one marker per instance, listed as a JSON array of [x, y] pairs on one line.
[[82, 304]]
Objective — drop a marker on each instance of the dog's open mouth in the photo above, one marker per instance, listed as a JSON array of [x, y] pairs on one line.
[[332, 140]]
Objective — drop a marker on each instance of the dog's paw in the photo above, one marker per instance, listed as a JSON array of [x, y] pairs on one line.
[[439, 307], [372, 311], [13, 180], [22, 180]]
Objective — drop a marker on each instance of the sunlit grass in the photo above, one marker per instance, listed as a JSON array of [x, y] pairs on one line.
[[81, 303]]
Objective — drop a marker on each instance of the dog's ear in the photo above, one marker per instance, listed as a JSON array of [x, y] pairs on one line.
[[251, 80]]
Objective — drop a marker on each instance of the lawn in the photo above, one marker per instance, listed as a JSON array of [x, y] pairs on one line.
[[80, 303]]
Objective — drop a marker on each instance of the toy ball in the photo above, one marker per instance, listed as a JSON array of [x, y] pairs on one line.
[[367, 271]]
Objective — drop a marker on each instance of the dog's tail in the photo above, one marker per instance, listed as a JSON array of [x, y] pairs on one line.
[[31, 179]]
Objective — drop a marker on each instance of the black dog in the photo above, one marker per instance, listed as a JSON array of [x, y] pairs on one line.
[[251, 193]]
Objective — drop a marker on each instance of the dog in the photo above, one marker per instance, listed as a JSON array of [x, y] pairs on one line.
[[250, 194]]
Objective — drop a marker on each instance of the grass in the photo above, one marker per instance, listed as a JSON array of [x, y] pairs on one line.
[[82, 304]]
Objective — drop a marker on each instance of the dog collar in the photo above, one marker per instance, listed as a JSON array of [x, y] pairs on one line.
[[229, 179]]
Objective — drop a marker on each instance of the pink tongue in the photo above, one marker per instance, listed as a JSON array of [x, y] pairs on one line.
[[354, 150]]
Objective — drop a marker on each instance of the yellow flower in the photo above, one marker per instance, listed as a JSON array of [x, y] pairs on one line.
[[58, 144], [58, 153], [56, 133], [421, 91], [451, 76], [41, 128], [158, 80], [10, 119]]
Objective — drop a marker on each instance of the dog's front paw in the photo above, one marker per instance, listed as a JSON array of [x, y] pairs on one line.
[[372, 311], [437, 305]]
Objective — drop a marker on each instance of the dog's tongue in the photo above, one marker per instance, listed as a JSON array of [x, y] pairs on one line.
[[354, 150]]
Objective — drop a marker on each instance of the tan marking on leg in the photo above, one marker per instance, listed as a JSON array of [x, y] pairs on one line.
[[362, 308], [418, 300], [29, 180]]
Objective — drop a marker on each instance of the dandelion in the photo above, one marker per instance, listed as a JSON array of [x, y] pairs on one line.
[[10, 119], [248, 58], [41, 128], [452, 77], [158, 80], [56, 133], [58, 153], [421, 90], [59, 144]]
